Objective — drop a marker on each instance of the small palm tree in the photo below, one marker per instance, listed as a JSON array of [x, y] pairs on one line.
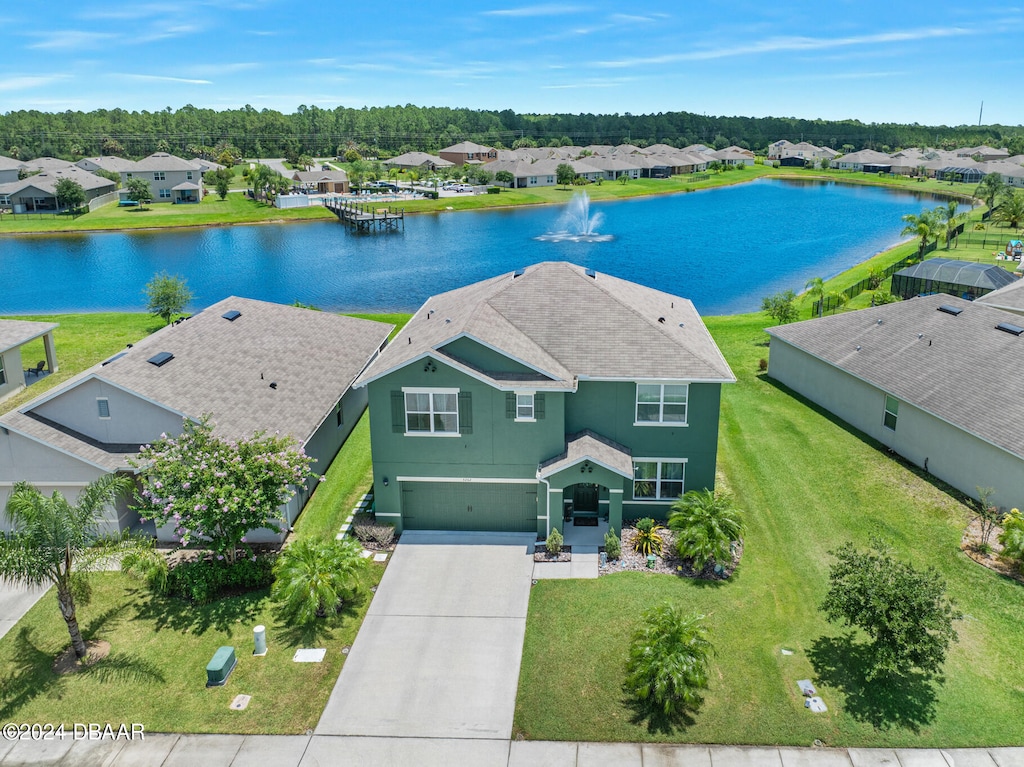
[[816, 287], [991, 187], [924, 225], [1011, 211], [706, 524], [948, 216], [668, 660], [55, 541], [313, 577]]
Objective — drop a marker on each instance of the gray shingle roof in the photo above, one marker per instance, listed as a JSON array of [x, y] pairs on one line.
[[415, 159], [589, 445], [109, 162], [165, 162], [316, 176], [958, 368], [9, 163], [558, 320], [1009, 297], [17, 332], [47, 181], [225, 368]]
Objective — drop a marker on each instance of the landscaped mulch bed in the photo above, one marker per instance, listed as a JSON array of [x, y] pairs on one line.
[[669, 562], [540, 554], [994, 559]]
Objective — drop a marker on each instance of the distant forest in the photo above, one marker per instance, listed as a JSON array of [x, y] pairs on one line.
[[387, 131]]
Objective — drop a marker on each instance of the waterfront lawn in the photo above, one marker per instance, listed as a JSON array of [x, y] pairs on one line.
[[236, 208], [155, 672], [808, 484]]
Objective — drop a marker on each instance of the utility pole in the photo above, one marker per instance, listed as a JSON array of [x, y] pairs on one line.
[[980, 112]]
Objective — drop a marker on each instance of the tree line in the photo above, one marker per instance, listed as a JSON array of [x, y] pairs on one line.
[[387, 131]]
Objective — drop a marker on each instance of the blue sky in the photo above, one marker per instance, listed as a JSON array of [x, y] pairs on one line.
[[906, 61]]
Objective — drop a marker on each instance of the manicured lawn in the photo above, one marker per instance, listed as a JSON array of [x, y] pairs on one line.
[[236, 208], [155, 673], [808, 484]]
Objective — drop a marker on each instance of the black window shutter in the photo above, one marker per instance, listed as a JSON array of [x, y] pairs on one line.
[[510, 404], [538, 405], [465, 412], [397, 412]]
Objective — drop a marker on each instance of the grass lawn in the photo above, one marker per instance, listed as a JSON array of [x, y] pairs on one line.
[[808, 484], [236, 208], [155, 673]]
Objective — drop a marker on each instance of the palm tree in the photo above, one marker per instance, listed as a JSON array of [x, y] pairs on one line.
[[816, 287], [924, 225], [1011, 211], [56, 541], [706, 523], [668, 660], [991, 186], [947, 215], [312, 577]]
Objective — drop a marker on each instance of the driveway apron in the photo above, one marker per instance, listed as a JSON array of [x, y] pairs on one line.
[[439, 651]]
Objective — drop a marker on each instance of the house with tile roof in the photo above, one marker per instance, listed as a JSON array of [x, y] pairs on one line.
[[251, 365], [171, 178], [933, 379], [549, 396]]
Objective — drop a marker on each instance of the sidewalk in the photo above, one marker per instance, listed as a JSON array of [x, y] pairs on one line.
[[325, 750]]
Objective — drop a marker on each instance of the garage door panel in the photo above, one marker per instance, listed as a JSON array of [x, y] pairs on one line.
[[491, 506]]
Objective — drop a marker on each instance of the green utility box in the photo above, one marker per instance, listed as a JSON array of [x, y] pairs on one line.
[[220, 666]]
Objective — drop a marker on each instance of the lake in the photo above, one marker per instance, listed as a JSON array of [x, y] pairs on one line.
[[723, 248]]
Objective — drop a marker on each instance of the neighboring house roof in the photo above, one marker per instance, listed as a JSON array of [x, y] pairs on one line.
[[165, 162], [47, 163], [316, 176], [1004, 168], [1009, 297], [467, 147], [186, 186], [18, 332], [225, 368], [415, 159], [929, 359], [564, 323], [612, 164], [207, 165], [109, 162], [966, 273], [46, 181], [9, 163]]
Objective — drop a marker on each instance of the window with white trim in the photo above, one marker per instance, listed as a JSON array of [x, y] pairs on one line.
[[159, 175], [655, 479], [431, 411], [165, 194], [188, 175], [892, 411], [661, 403], [524, 406], [103, 407]]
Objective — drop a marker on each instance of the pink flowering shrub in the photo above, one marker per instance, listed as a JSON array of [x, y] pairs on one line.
[[217, 489]]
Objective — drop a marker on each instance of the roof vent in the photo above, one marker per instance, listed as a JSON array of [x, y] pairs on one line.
[[1008, 327], [518, 273], [661, 320], [117, 356], [160, 359], [879, 320], [232, 315], [947, 309], [858, 347], [273, 384], [591, 274]]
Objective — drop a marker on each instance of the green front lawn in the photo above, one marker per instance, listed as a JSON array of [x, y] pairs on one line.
[[155, 674], [808, 484]]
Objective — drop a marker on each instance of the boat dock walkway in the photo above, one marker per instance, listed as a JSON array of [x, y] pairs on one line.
[[362, 217]]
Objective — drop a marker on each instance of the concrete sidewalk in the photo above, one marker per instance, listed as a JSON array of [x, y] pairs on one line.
[[15, 601], [326, 750]]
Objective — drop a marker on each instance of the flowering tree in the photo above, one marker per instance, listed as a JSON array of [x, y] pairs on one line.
[[217, 489]]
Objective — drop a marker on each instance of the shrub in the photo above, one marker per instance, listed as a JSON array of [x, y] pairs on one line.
[[762, 364], [1012, 536], [706, 523], [367, 530], [150, 565], [204, 580], [494, 190], [554, 541], [313, 577], [612, 544], [648, 538], [668, 660]]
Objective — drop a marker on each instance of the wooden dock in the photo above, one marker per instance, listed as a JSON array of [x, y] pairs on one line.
[[360, 217]]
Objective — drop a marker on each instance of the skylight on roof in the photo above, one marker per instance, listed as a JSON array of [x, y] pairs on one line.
[[160, 359], [231, 315], [1009, 327], [947, 309]]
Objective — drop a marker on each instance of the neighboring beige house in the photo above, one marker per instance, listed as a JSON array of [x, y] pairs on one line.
[[110, 163], [171, 179], [416, 161], [323, 181], [251, 365], [14, 334], [857, 160], [38, 193], [468, 153], [907, 375]]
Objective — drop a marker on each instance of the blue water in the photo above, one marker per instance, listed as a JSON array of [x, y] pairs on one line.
[[723, 248]]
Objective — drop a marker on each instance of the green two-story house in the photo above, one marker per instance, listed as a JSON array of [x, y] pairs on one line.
[[554, 392]]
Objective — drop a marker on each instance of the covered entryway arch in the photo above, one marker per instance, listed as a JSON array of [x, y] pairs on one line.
[[586, 478]]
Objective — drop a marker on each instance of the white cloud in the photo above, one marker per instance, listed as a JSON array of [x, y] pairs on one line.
[[29, 81], [163, 79], [530, 11], [72, 40]]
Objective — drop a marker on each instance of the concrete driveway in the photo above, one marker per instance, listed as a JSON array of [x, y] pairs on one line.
[[439, 651]]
